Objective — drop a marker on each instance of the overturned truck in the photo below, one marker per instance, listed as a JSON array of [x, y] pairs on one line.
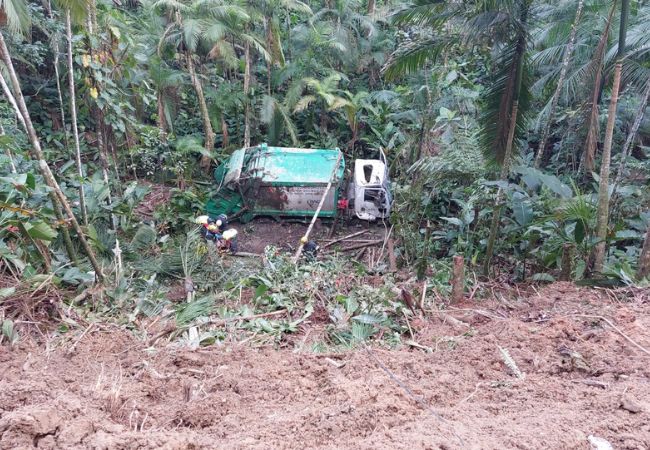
[[290, 182]]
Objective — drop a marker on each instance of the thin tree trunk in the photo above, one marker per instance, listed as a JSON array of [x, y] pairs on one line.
[[505, 169], [12, 101], [603, 186], [224, 132], [102, 148], [644, 259], [371, 7], [560, 84], [162, 121], [269, 44], [60, 94], [247, 84], [627, 148], [73, 114], [37, 153], [207, 126], [602, 218], [592, 121]]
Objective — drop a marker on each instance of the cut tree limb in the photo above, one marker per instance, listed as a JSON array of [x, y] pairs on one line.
[[345, 238], [367, 244]]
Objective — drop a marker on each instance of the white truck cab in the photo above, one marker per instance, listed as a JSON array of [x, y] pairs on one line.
[[369, 190]]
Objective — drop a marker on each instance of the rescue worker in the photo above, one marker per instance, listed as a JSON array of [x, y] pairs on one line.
[[228, 241], [222, 223], [310, 250], [213, 228]]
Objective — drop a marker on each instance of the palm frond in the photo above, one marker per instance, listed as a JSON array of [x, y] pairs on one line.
[[192, 31], [277, 118], [498, 100], [189, 312], [78, 9], [18, 19], [414, 55], [170, 5], [426, 13]]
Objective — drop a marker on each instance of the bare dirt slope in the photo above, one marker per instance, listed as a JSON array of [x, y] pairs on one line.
[[581, 378]]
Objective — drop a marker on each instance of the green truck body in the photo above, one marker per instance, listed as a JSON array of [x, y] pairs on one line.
[[277, 181]]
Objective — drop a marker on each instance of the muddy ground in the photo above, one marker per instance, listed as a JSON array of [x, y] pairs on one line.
[[254, 236], [104, 389]]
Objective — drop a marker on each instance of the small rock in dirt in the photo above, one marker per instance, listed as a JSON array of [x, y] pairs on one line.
[[631, 405], [598, 443]]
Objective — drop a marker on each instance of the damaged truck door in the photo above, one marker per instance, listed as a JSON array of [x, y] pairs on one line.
[[289, 182]]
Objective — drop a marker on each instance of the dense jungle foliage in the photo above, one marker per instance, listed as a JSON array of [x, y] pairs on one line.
[[516, 132]]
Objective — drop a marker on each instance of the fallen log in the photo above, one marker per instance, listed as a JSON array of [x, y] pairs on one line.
[[247, 255], [367, 244]]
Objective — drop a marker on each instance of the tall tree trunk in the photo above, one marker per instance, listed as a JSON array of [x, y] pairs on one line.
[[505, 170], [207, 126], [517, 71], [73, 114], [162, 121], [55, 50], [603, 186], [269, 46], [37, 153], [60, 94], [644, 259], [560, 84], [247, 85], [371, 7], [592, 121]]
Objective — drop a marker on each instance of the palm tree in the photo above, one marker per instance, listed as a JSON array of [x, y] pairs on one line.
[[184, 32], [165, 80], [326, 92], [15, 15], [501, 24], [271, 12]]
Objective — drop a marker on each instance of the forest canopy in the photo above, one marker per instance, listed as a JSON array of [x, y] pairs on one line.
[[516, 131]]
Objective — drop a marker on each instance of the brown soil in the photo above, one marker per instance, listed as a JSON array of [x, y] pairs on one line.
[[158, 195], [253, 237], [582, 378]]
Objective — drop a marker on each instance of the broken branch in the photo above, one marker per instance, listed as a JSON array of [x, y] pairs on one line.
[[345, 238]]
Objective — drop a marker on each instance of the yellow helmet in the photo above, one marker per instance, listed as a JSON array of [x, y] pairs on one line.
[[201, 220], [229, 234]]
